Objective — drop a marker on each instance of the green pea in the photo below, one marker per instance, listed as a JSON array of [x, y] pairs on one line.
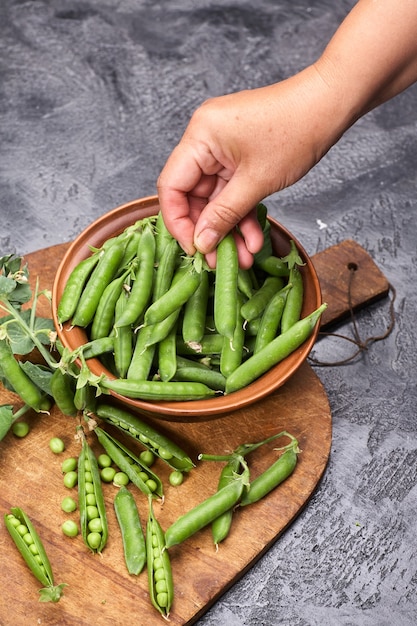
[[107, 474], [90, 499], [22, 529], [152, 485], [89, 488], [69, 465], [70, 479], [95, 525], [176, 478], [104, 461], [88, 477], [164, 454], [147, 457], [94, 540], [92, 512], [56, 445], [28, 539], [68, 504], [70, 528], [33, 548], [20, 429], [120, 478]]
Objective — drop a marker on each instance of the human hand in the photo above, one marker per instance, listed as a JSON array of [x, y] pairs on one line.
[[236, 150]]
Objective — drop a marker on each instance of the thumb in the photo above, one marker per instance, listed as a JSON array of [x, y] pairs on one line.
[[232, 204]]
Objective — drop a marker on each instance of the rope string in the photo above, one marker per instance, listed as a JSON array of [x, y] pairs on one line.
[[362, 344]]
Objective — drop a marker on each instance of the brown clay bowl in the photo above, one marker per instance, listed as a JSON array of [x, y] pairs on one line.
[[115, 222]]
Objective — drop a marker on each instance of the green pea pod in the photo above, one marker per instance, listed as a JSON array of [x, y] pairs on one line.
[[209, 344], [33, 552], [158, 390], [142, 285], [18, 379], [274, 352], [271, 318], [255, 306], [105, 313], [195, 312], [220, 526], [97, 347], [167, 265], [198, 372], [155, 441], [226, 287], [89, 482], [167, 363], [232, 352], [273, 265], [133, 539], [63, 391], [272, 477], [130, 464], [101, 276], [163, 237], [294, 302], [184, 284], [208, 510], [161, 588], [123, 339], [74, 287]]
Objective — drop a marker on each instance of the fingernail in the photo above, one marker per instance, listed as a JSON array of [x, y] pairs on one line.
[[207, 240]]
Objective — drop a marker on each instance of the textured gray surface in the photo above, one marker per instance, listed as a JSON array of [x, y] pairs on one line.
[[93, 96]]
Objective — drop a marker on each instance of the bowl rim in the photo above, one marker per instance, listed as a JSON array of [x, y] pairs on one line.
[[184, 410]]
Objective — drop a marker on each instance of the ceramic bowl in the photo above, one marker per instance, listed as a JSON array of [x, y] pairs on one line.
[[113, 223]]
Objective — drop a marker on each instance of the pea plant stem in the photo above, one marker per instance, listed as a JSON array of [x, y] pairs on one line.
[[49, 359]]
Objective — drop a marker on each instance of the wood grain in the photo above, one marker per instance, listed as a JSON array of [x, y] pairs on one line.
[[100, 591]]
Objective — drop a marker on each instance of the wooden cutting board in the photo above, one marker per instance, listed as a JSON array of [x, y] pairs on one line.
[[100, 591]]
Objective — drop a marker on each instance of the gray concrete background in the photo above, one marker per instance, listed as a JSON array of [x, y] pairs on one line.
[[93, 96]]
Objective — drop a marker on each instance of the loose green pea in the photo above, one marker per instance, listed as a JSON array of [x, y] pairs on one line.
[[176, 478], [56, 445], [104, 461], [70, 479], [20, 429], [68, 504], [120, 479], [69, 465], [107, 474], [70, 528]]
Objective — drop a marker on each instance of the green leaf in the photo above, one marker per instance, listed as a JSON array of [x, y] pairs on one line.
[[293, 258], [39, 374], [7, 286], [52, 594], [20, 342], [6, 419]]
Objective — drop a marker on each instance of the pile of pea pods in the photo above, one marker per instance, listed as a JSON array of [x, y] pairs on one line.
[[123, 467], [170, 328]]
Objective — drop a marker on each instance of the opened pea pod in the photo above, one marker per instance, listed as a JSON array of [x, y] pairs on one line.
[[32, 550], [93, 517], [139, 473], [159, 444]]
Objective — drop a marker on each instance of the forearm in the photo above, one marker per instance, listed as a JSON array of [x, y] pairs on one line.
[[373, 55]]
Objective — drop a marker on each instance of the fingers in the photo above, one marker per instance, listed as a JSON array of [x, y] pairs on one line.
[[233, 206]]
